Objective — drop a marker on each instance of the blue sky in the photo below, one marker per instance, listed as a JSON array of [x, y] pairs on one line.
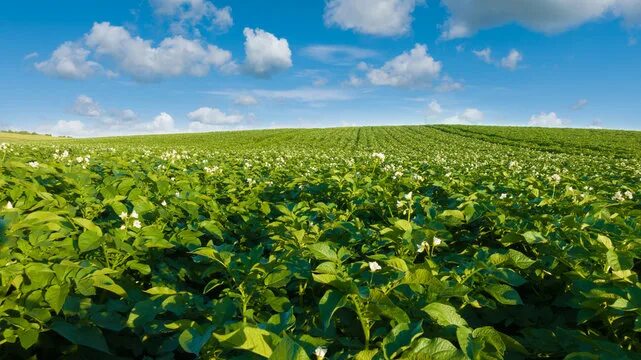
[[91, 68]]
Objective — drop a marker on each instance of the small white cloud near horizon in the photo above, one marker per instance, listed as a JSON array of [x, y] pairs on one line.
[[580, 104], [414, 68], [485, 55], [86, 106], [213, 116], [265, 54], [550, 119], [434, 109], [470, 116], [372, 17]]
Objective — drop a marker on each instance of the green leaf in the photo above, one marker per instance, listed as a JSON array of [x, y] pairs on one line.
[[248, 338], [400, 338], [323, 251], [105, 282], [434, 349], [534, 237], [619, 261], [88, 241], [193, 339], [288, 349], [444, 315], [84, 335], [504, 294], [28, 337], [88, 225], [159, 290], [56, 296], [329, 303]]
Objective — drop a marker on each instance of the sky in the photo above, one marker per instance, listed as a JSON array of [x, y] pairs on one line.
[[95, 68]]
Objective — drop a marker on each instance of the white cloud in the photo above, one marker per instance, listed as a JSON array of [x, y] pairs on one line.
[[163, 123], [265, 54], [547, 120], [580, 104], [512, 60], [337, 54], [448, 84], [31, 55], [434, 108], [485, 55], [470, 116], [193, 12], [174, 56], [374, 17], [245, 100], [69, 61], [213, 116], [413, 68], [72, 128], [547, 16], [354, 81], [86, 106]]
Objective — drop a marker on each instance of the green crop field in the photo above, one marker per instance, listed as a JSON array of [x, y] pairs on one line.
[[422, 242]]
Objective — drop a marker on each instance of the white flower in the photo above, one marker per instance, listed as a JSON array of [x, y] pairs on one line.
[[399, 204], [33, 164], [163, 203], [123, 215], [556, 178], [373, 266], [4, 146], [422, 247], [618, 196], [80, 159], [437, 241], [379, 156], [408, 196], [320, 352], [123, 227], [137, 224], [629, 195], [177, 194], [9, 205], [134, 214], [503, 196]]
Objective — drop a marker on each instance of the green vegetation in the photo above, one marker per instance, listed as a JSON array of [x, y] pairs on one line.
[[23, 136], [372, 243]]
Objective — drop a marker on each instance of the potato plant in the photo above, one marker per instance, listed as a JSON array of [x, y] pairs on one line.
[[367, 243]]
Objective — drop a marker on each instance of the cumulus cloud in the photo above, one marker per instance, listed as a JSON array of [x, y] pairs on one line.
[[470, 116], [374, 17], [337, 54], [86, 106], [512, 60], [485, 55], [245, 100], [548, 16], [185, 13], [265, 54], [410, 69], [580, 104], [448, 84], [547, 120], [174, 56], [213, 116], [72, 128], [163, 123], [69, 61], [434, 108]]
